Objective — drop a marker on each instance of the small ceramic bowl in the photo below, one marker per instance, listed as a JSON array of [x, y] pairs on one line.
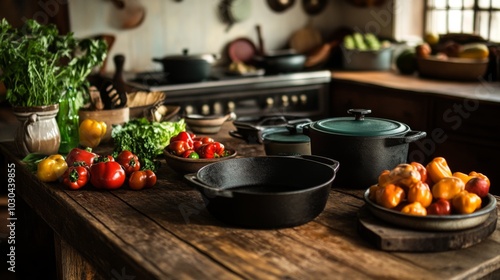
[[189, 165], [210, 124]]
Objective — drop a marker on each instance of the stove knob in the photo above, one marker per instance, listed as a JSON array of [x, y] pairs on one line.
[[231, 106], [284, 100], [217, 108], [205, 109], [189, 109], [303, 99], [295, 99], [269, 102]]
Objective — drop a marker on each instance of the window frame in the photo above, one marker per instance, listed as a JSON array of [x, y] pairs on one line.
[[475, 10]]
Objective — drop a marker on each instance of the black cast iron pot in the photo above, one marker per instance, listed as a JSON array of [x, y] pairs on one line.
[[364, 146], [266, 192], [187, 68], [285, 61]]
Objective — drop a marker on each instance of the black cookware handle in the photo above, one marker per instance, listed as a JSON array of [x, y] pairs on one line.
[[236, 134], [324, 160], [410, 136], [206, 189], [413, 136]]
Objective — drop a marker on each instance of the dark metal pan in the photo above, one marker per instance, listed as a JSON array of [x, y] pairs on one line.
[[266, 192]]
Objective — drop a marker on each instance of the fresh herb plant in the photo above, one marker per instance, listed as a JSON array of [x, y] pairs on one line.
[[38, 65]]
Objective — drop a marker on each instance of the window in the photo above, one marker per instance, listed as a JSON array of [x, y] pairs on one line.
[[481, 17]]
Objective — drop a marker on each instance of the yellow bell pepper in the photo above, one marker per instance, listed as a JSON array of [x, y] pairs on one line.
[[480, 175], [404, 175], [438, 169], [420, 192], [464, 177], [51, 168], [447, 188], [389, 196], [415, 208], [91, 132], [466, 202]]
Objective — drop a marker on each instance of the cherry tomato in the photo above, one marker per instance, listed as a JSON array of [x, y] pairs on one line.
[[142, 179], [179, 147], [183, 136], [198, 141], [129, 161]]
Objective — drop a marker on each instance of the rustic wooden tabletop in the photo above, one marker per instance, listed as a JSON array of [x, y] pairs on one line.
[[166, 233]]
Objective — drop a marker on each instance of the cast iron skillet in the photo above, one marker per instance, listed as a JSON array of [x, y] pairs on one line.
[[267, 191]]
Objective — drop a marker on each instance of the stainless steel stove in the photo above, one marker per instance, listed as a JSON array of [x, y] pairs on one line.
[[300, 94]]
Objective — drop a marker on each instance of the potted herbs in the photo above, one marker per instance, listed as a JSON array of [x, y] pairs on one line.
[[46, 71]]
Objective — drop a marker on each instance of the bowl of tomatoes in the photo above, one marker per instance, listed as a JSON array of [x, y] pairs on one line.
[[187, 153]]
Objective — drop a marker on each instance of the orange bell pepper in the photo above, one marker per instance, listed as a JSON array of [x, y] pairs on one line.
[[404, 175], [464, 177], [438, 169], [466, 202], [389, 196], [420, 192], [421, 169], [414, 208], [384, 178], [447, 187]]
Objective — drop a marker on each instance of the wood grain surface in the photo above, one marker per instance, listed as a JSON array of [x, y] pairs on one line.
[[166, 233]]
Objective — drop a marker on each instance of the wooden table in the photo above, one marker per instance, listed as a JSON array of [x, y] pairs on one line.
[[166, 233]]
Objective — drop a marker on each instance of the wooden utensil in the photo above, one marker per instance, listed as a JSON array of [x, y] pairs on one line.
[[113, 93]]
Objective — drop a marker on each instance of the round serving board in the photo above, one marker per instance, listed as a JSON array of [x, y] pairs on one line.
[[388, 237]]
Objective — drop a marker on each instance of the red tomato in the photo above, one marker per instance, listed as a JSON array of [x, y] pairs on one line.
[[142, 179], [179, 147], [76, 177], [107, 175], [183, 136], [129, 161]]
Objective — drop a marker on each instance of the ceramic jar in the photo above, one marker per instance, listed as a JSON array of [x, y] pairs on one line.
[[38, 132]]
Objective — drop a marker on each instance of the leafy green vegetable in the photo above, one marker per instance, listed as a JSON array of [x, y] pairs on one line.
[[38, 65], [146, 139]]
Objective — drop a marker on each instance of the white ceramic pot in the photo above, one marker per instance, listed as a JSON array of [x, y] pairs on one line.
[[38, 132]]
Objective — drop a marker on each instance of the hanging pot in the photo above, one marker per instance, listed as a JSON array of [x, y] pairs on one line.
[[279, 61], [187, 68], [364, 146], [38, 132], [266, 192]]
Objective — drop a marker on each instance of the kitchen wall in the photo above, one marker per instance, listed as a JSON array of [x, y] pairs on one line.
[[171, 25]]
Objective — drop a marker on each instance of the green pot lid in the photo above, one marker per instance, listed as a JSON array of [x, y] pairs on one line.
[[361, 126], [285, 137]]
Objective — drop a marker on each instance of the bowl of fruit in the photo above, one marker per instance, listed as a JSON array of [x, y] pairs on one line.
[[187, 153], [431, 197]]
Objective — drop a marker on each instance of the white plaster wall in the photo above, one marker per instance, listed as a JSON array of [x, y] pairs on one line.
[[170, 26]]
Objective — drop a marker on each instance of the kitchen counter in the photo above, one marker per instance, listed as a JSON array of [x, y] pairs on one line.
[[480, 90], [166, 233]]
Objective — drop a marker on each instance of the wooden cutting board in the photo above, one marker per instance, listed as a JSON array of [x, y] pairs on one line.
[[388, 237]]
